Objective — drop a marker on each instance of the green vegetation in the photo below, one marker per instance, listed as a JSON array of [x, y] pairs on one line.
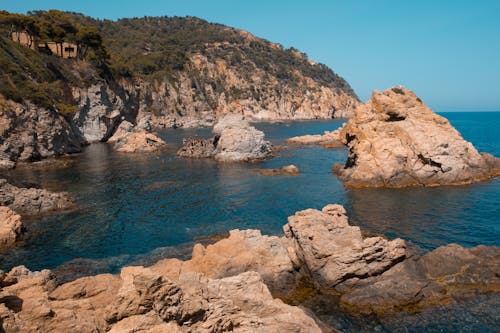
[[152, 48]]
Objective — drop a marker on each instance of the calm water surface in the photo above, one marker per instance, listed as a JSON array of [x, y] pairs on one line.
[[137, 209]]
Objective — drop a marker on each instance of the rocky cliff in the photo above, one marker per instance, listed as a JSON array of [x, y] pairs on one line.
[[154, 72], [395, 140]]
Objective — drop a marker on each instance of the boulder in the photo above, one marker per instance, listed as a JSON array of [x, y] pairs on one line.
[[139, 142], [332, 251], [286, 170], [395, 140], [33, 201], [11, 227], [234, 141]]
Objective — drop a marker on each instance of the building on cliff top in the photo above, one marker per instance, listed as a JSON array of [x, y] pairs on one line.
[[63, 50]]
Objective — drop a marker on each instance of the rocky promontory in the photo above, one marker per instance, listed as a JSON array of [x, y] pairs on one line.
[[395, 140], [228, 286], [234, 140]]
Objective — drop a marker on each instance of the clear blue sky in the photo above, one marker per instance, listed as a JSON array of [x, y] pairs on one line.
[[448, 52]]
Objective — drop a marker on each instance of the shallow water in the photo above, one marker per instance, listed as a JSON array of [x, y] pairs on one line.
[[137, 209]]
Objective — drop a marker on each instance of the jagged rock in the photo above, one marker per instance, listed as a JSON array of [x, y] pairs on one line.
[[395, 140], [32, 201], [286, 170], [448, 272], [235, 140], [30, 133], [240, 252], [141, 299], [11, 227], [327, 140], [332, 251], [135, 142]]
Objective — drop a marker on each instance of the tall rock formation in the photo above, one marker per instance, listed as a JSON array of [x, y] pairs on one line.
[[395, 140]]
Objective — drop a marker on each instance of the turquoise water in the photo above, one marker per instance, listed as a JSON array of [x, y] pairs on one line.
[[137, 209]]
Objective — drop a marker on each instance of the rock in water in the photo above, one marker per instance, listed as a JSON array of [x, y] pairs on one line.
[[32, 201], [395, 140], [290, 170], [235, 140], [11, 226], [139, 142]]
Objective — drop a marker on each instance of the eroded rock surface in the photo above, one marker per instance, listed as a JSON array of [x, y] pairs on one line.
[[235, 140], [395, 140], [139, 142], [11, 226], [140, 299], [32, 201], [332, 251], [329, 139], [226, 286]]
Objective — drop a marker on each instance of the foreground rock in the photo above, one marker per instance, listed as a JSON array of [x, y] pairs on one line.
[[226, 286], [32, 201], [234, 141], [29, 133], [327, 140], [286, 170], [141, 299], [395, 140], [11, 227]]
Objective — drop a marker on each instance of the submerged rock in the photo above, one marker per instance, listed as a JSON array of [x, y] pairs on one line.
[[11, 227], [32, 201], [395, 140], [234, 141], [286, 170]]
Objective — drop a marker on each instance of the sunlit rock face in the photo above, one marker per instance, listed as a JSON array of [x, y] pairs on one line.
[[395, 140]]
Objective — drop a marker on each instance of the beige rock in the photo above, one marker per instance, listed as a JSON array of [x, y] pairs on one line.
[[333, 251], [139, 142], [327, 140], [11, 227], [395, 140]]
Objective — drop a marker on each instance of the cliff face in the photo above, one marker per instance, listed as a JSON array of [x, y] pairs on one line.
[[30, 133]]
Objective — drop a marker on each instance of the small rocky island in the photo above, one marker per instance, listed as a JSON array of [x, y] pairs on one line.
[[235, 140], [233, 284], [395, 140]]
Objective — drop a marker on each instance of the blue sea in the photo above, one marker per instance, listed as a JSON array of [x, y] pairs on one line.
[[136, 209]]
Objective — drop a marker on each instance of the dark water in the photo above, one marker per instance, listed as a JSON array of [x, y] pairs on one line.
[[137, 209]]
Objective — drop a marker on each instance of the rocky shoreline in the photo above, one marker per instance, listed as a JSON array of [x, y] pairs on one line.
[[232, 284]]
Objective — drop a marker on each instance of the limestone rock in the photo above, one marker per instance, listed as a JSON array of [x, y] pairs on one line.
[[333, 251], [142, 142], [33, 201], [395, 140], [286, 170], [11, 227]]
